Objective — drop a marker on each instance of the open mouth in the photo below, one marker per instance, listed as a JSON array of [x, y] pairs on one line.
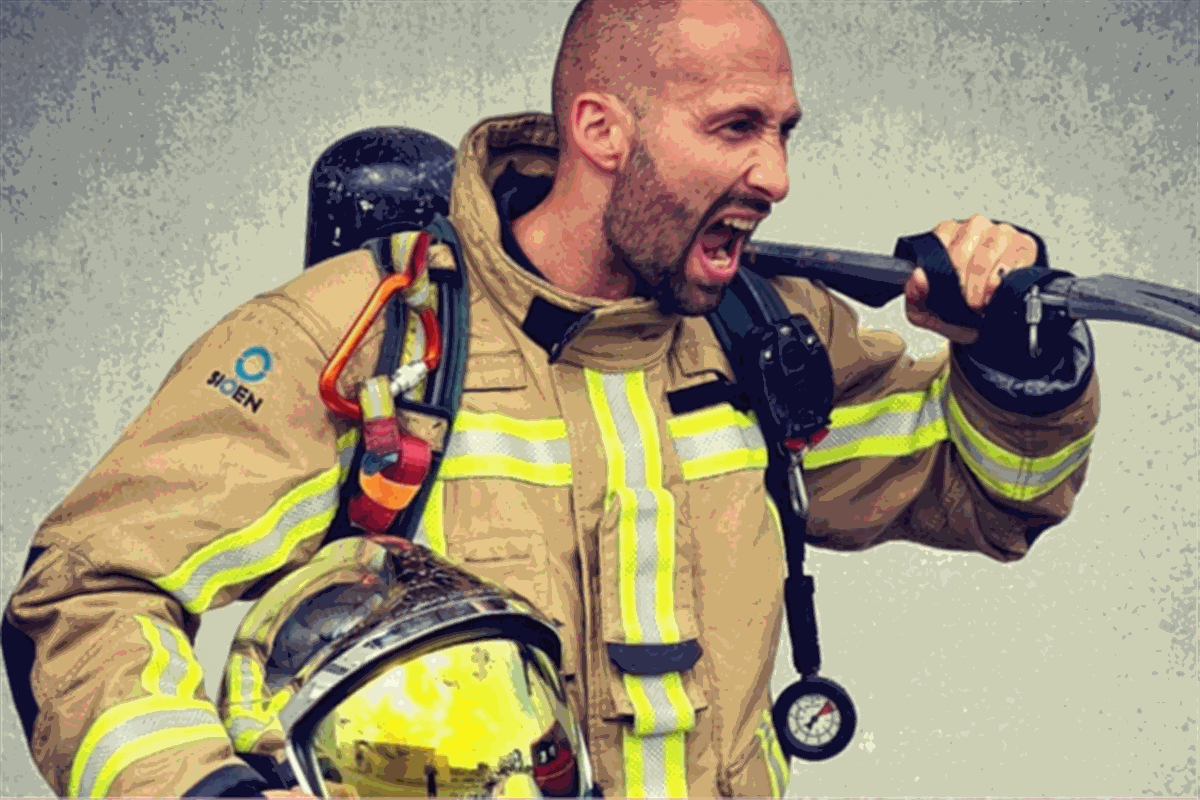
[[720, 246]]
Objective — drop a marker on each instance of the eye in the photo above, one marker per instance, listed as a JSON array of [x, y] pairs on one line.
[[741, 126]]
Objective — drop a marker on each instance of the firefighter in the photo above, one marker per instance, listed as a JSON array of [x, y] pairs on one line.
[[595, 467]]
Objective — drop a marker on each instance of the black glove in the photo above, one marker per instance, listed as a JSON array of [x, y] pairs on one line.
[[998, 364]]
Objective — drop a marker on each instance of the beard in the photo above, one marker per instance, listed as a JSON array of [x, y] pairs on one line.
[[651, 229]]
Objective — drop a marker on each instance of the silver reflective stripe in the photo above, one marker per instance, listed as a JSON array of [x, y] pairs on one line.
[[1013, 475], [1027, 478], [265, 544], [498, 446], [258, 550], [893, 424], [178, 663], [646, 516], [719, 441], [654, 766], [464, 443], [665, 718]]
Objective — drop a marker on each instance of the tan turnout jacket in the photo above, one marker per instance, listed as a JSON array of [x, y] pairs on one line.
[[229, 478]]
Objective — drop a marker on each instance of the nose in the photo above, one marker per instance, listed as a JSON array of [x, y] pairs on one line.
[[768, 173]]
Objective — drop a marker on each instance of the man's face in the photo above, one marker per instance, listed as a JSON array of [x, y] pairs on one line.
[[707, 163]]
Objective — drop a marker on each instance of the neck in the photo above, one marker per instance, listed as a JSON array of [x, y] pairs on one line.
[[564, 238]]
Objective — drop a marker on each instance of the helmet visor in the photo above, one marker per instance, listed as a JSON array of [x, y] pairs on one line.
[[484, 718]]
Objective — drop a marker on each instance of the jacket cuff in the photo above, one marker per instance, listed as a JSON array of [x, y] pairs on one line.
[[1007, 377], [998, 365], [231, 780]]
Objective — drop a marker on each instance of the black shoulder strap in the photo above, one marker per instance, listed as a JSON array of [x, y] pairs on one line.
[[784, 375], [443, 389]]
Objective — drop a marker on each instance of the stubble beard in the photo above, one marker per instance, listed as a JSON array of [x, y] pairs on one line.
[[651, 229]]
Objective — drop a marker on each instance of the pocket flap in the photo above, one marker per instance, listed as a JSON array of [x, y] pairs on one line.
[[495, 371]]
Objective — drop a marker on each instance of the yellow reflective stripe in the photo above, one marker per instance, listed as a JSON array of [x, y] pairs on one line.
[[901, 403], [1010, 474], [432, 532], [777, 766], [635, 777], [664, 594], [498, 466], [892, 427], [708, 419], [615, 461], [533, 429], [774, 511], [250, 712], [647, 426], [655, 766], [263, 546], [721, 463], [151, 744], [153, 671], [762, 744], [715, 441]]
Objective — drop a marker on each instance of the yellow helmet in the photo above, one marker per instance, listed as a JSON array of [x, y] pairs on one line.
[[386, 671]]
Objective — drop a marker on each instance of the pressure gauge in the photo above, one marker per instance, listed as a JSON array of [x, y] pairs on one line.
[[814, 719]]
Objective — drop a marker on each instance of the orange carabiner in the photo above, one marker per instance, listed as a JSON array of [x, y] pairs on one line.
[[392, 285]]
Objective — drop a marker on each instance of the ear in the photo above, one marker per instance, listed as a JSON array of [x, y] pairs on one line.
[[600, 128]]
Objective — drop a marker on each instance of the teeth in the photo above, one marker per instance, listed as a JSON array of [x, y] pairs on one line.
[[739, 224]]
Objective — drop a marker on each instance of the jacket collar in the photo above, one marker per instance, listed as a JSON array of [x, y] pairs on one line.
[[600, 334]]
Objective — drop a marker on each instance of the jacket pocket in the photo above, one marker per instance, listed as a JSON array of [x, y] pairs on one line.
[[629, 567], [521, 564]]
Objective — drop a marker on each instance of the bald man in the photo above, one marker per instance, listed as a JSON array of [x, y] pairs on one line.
[[582, 473]]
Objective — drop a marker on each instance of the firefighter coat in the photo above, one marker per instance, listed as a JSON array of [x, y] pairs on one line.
[[572, 483]]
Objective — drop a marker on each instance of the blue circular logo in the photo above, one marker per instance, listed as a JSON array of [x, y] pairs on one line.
[[264, 366]]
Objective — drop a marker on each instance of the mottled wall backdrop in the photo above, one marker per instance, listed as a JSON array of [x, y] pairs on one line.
[[155, 158]]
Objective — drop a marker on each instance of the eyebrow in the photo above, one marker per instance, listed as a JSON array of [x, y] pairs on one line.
[[790, 120]]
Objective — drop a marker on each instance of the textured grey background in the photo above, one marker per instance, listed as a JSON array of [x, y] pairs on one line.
[[155, 158]]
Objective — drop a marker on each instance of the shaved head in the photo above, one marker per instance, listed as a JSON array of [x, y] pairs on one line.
[[631, 48], [611, 46]]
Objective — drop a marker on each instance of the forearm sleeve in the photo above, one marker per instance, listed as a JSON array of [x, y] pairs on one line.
[[916, 452]]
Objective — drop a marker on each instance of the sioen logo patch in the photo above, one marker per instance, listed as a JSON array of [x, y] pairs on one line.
[[252, 367]]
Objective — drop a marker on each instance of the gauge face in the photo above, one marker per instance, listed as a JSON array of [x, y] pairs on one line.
[[814, 719]]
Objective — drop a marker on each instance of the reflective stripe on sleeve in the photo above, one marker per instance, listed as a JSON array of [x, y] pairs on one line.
[[431, 531], [772, 753], [498, 446], [1010, 474], [264, 545], [170, 716], [716, 441], [654, 747], [250, 711], [891, 427], [903, 424]]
